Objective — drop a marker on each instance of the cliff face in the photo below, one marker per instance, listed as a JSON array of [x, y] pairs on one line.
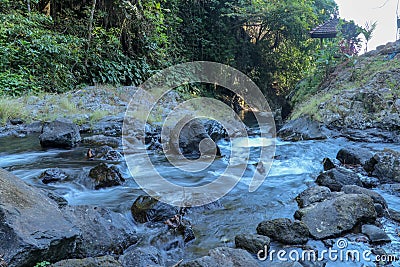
[[362, 93]]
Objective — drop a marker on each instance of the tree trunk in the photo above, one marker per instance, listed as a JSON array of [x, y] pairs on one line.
[[90, 28]]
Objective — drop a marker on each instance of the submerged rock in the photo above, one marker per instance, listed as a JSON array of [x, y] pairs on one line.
[[105, 176], [60, 133], [334, 217], [53, 175], [285, 231], [336, 178], [302, 129], [224, 257], [252, 243], [148, 209]]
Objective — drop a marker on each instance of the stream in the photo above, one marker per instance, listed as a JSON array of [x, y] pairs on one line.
[[295, 168]]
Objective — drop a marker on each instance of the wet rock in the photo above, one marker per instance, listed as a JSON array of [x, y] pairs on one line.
[[302, 129], [336, 178], [224, 257], [334, 217], [109, 126], [141, 257], [100, 231], [32, 227], [215, 130], [108, 261], [285, 231], [375, 234], [394, 215], [105, 176], [328, 164], [387, 168], [104, 153], [192, 140], [148, 209], [102, 140], [372, 135], [61, 202], [252, 243], [60, 134], [53, 175], [377, 198], [354, 156], [312, 195]]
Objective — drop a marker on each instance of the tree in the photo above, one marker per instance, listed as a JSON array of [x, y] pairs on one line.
[[368, 31]]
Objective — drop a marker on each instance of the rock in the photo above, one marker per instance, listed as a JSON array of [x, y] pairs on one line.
[[354, 156], [148, 209], [252, 243], [302, 129], [377, 198], [215, 130], [105, 176], [193, 140], [285, 264], [32, 227], [141, 257], [102, 140], [313, 195], [328, 164], [394, 215], [375, 234], [336, 178], [109, 126], [101, 231], [334, 217], [16, 121], [224, 257], [285, 231], [104, 153], [372, 135], [53, 175], [387, 168], [108, 261], [59, 134]]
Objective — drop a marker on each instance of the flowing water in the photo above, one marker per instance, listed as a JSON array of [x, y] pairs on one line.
[[294, 169]]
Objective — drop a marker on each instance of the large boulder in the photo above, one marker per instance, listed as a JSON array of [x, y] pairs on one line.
[[285, 231], [336, 178], [252, 243], [192, 140], [224, 257], [354, 156], [105, 176], [334, 217], [60, 134], [377, 198], [148, 209], [387, 167], [302, 128], [32, 227]]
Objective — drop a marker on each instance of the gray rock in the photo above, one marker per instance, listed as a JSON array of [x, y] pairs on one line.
[[334, 217], [104, 153], [285, 231], [60, 134], [252, 243], [53, 175], [328, 164], [141, 257], [394, 215], [148, 209], [375, 234], [285, 264], [89, 262], [224, 257], [312, 195], [215, 130], [105, 176], [354, 156], [109, 126], [387, 168], [302, 129], [102, 140], [192, 140], [32, 227], [336, 178], [377, 198]]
